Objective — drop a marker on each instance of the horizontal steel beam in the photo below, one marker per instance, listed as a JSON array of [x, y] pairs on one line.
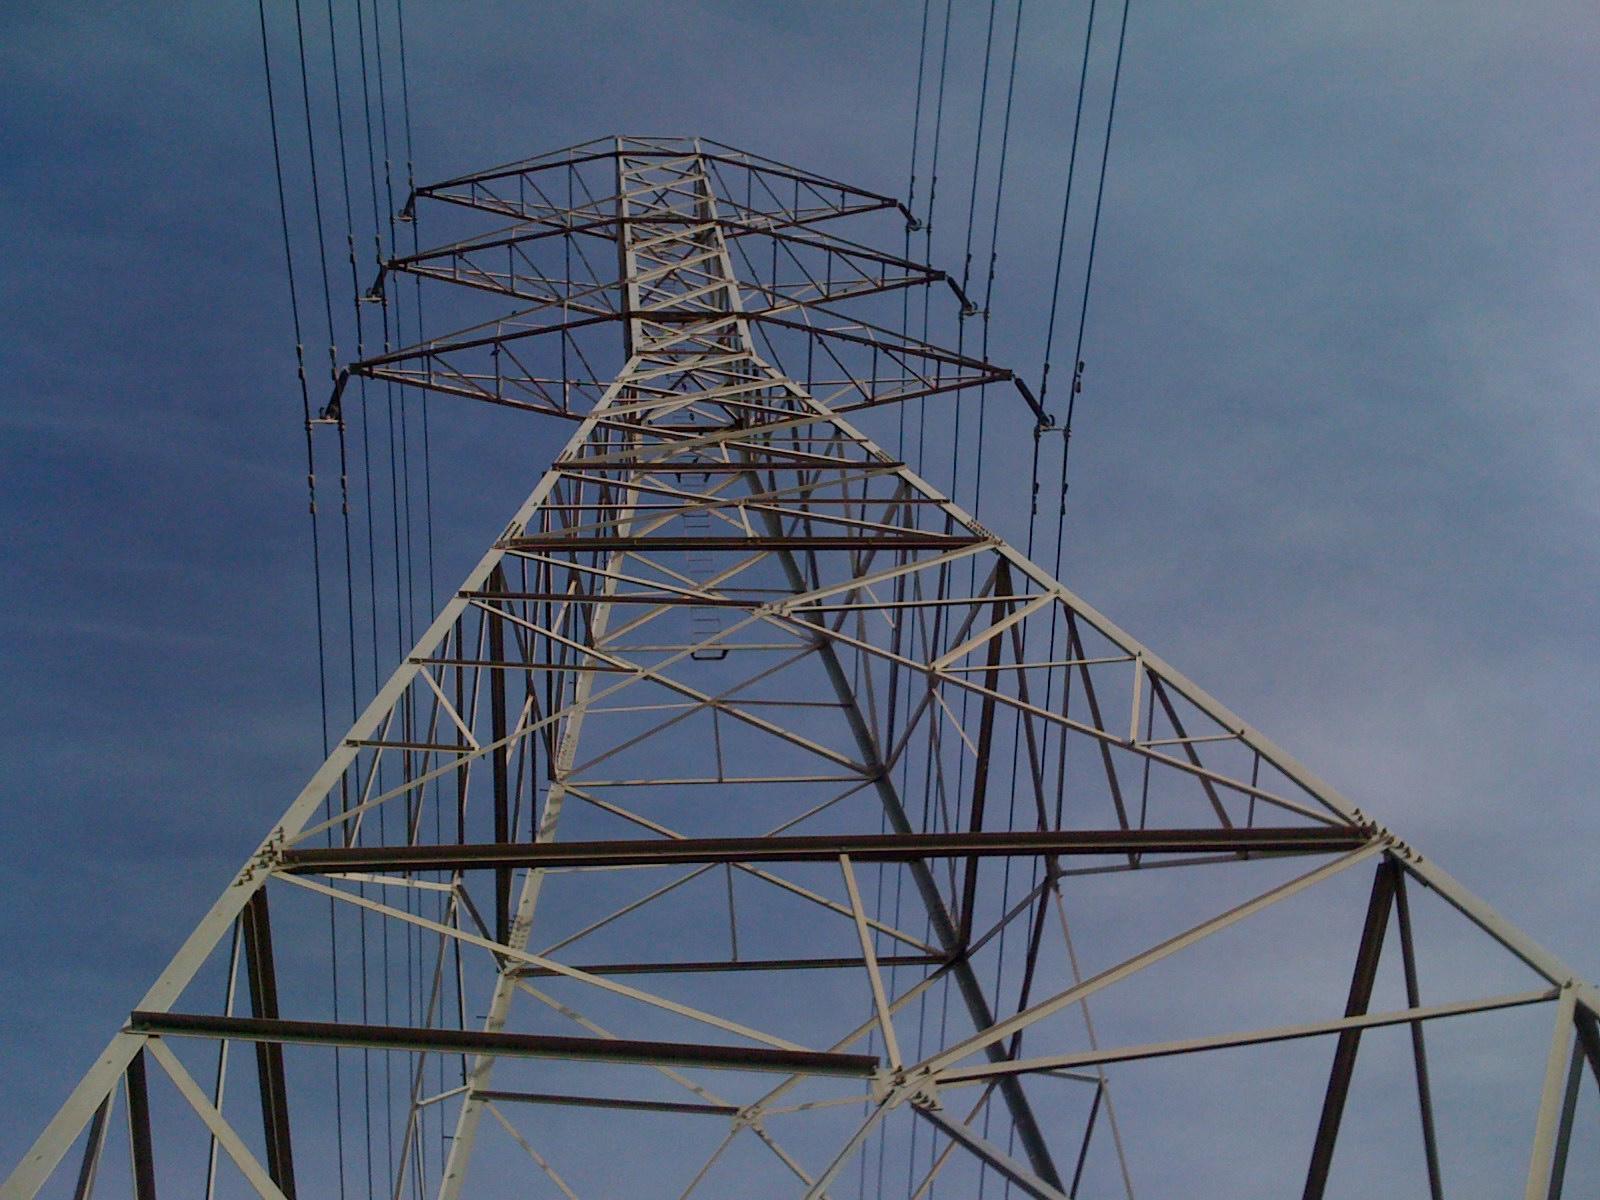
[[509, 1045], [720, 965], [887, 847], [653, 542], [664, 1106], [768, 461]]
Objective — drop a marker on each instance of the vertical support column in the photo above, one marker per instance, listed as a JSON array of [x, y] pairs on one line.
[[93, 1146], [500, 759], [1589, 1039], [1569, 1109], [625, 273], [144, 1164], [980, 766], [1344, 1055], [1419, 1051], [1544, 1181], [256, 929]]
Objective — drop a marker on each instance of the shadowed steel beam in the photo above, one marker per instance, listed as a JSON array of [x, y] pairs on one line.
[[1569, 1110], [1344, 1054], [980, 765], [997, 1158], [144, 1165], [92, 1149], [256, 935], [714, 965], [1543, 1181], [646, 543], [890, 847], [507, 1045], [560, 1099], [500, 760], [1419, 1054], [957, 1076], [1589, 1039]]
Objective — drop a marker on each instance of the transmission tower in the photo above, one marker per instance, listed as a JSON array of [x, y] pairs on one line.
[[752, 821]]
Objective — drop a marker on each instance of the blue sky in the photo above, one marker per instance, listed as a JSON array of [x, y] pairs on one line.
[[1336, 459]]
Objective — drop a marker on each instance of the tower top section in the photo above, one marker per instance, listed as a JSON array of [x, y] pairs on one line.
[[683, 251]]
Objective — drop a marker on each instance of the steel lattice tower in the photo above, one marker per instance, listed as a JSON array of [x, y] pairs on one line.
[[734, 828]]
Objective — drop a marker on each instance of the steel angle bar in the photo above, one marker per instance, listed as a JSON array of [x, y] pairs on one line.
[[568, 1100], [1542, 1179], [226, 1136], [518, 955], [720, 965], [509, 1045], [816, 542], [893, 847], [958, 1076], [1008, 1167], [1037, 1012]]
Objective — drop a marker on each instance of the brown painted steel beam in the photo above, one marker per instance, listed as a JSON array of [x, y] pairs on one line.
[[1344, 1054], [653, 542], [980, 765], [1419, 1049], [144, 1164], [1589, 1039], [716, 965], [93, 1146], [500, 762], [887, 847], [256, 935], [510, 1045], [661, 1106]]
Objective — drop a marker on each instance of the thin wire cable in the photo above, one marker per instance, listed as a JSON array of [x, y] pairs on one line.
[[1066, 205], [355, 288], [994, 252], [966, 256], [911, 225], [927, 228], [427, 526], [977, 145], [316, 188], [377, 239], [1088, 277], [416, 247], [899, 585], [344, 492], [300, 370]]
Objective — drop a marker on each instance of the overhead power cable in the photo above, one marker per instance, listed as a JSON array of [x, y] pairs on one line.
[[966, 253], [416, 248], [300, 370], [912, 224], [1066, 206], [1088, 277], [994, 247]]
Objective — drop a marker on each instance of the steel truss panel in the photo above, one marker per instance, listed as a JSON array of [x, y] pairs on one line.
[[749, 789]]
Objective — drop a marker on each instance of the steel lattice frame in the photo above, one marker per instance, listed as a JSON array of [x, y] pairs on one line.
[[729, 641]]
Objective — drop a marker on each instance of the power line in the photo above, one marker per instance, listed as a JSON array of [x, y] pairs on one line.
[[1088, 277], [994, 247], [300, 371], [416, 247], [1066, 206]]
